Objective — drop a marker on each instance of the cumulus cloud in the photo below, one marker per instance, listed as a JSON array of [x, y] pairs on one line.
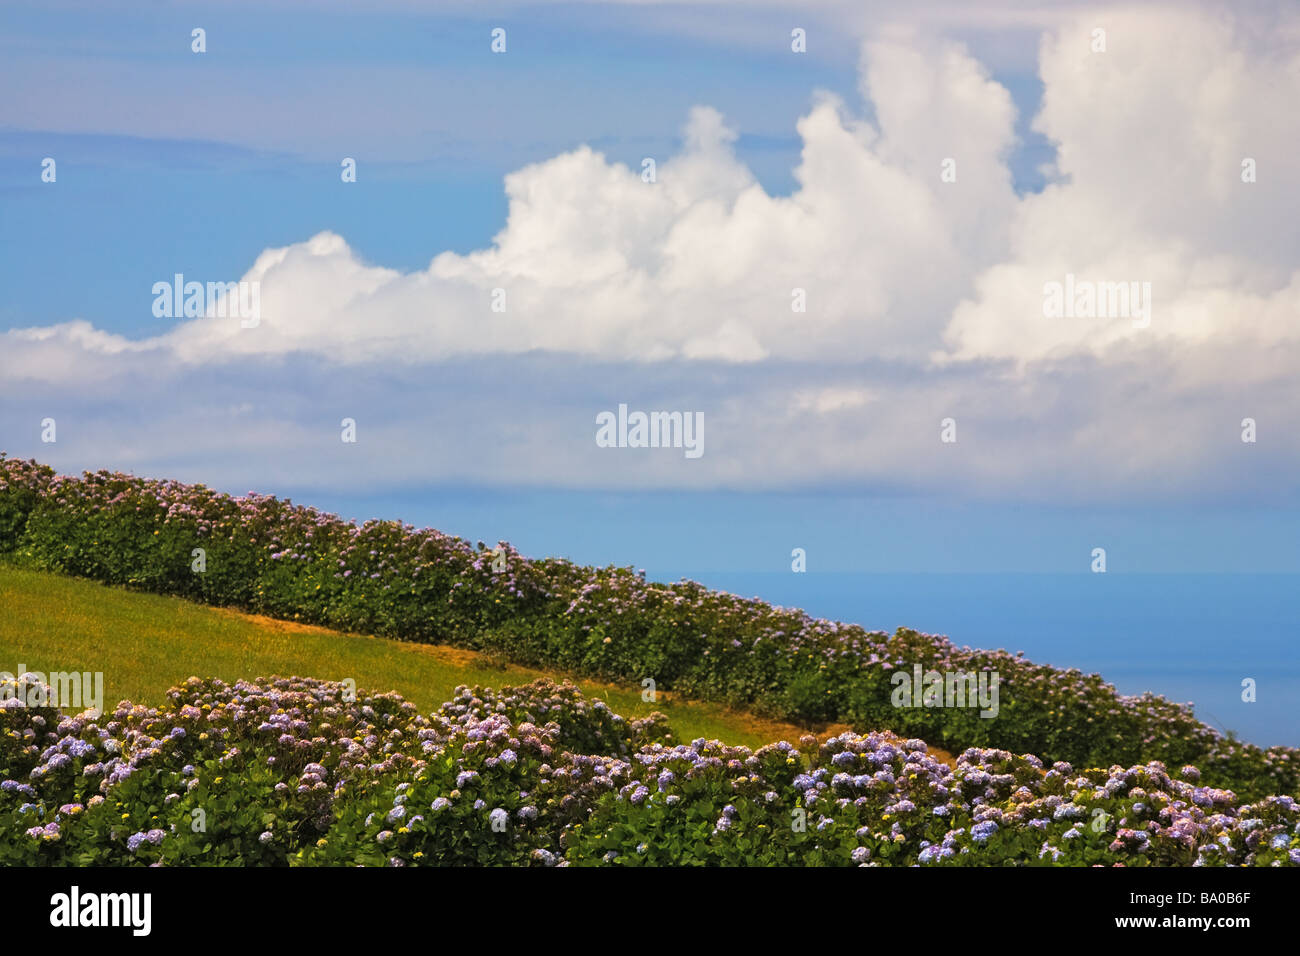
[[1151, 136], [924, 297], [700, 264]]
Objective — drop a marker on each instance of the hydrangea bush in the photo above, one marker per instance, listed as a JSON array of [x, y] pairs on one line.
[[300, 772], [272, 557]]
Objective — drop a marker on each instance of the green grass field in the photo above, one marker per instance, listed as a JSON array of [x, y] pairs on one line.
[[145, 644]]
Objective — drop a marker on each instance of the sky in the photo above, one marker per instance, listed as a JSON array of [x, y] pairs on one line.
[[501, 273]]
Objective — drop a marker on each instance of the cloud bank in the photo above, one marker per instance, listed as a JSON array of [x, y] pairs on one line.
[[920, 271]]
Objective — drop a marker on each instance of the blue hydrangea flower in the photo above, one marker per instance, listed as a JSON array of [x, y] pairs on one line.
[[980, 832]]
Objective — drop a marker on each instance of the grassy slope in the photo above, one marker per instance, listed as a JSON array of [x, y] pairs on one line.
[[145, 644]]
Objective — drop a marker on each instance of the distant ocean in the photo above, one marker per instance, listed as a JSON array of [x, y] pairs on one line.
[[1189, 637]]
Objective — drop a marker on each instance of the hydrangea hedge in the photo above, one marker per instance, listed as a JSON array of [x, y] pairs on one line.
[[301, 772], [272, 557]]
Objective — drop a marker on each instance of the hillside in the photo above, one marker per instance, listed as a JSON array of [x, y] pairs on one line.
[[145, 644], [271, 557]]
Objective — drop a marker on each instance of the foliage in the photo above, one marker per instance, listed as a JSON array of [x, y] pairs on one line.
[[287, 771], [269, 556]]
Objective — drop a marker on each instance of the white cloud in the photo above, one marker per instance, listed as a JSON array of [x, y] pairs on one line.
[[701, 264], [925, 298], [1150, 137]]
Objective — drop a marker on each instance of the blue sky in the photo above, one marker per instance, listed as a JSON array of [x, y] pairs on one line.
[[675, 534], [174, 162]]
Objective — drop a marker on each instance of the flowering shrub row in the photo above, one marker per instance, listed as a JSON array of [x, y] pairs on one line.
[[273, 557], [294, 772]]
